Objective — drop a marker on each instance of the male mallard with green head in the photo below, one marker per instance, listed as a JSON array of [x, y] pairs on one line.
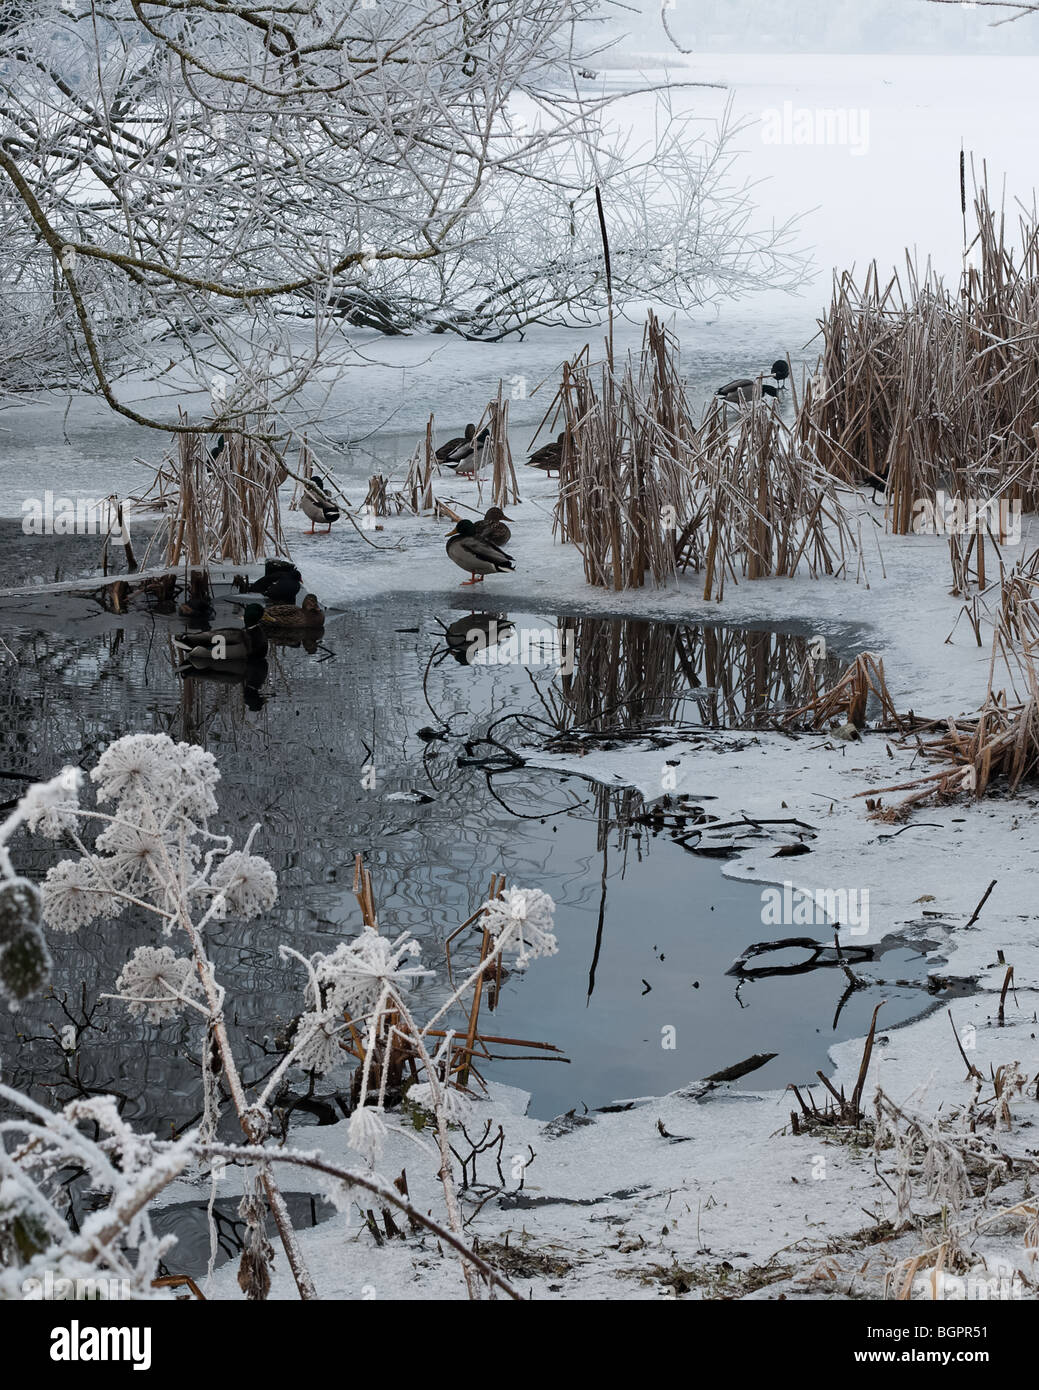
[[478, 556]]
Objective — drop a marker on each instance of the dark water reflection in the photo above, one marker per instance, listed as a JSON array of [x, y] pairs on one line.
[[331, 758]]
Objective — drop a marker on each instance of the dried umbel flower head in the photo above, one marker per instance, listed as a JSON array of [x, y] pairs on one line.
[[317, 1040], [74, 895], [141, 772], [366, 1132], [521, 921], [246, 884], [49, 808], [154, 981], [358, 973]]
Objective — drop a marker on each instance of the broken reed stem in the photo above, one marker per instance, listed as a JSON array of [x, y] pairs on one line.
[[1007, 981]]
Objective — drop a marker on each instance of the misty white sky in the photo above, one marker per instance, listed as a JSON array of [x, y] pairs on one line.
[[821, 26]]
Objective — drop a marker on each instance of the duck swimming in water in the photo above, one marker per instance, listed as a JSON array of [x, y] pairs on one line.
[[226, 646], [286, 615]]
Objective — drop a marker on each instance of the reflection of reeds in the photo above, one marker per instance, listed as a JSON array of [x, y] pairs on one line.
[[929, 389], [633, 674]]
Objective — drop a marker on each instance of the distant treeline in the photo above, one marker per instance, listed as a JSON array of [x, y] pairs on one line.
[[821, 26]]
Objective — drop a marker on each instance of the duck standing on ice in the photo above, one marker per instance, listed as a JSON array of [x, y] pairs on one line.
[[476, 554]]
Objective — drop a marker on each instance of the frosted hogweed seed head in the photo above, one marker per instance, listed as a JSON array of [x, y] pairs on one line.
[[358, 972], [49, 807], [521, 921], [317, 1036], [149, 979], [137, 857], [366, 1132], [457, 1107], [73, 896], [20, 908], [248, 883], [137, 770], [199, 775]]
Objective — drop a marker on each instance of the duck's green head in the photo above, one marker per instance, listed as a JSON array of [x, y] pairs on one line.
[[253, 614], [463, 528]]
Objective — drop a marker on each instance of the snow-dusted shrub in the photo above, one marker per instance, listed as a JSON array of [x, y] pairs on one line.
[[155, 852]]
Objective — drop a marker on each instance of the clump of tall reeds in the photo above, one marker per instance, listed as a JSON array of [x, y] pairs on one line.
[[765, 506], [219, 497], [929, 389], [625, 478], [646, 493]]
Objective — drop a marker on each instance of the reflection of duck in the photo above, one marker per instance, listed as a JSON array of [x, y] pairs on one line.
[[318, 505], [309, 638], [742, 390], [479, 557], [250, 675], [287, 615], [280, 582], [549, 457], [468, 636], [226, 646], [493, 528]]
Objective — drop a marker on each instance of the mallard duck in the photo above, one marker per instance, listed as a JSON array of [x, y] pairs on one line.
[[479, 557], [280, 582], [448, 453], [740, 391], [318, 505], [550, 456], [226, 646], [493, 528], [466, 458], [288, 615]]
